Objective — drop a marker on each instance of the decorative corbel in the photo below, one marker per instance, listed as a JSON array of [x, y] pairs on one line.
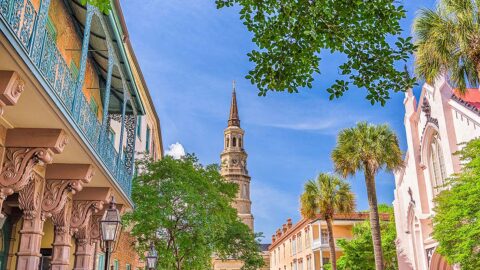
[[62, 180], [25, 149], [11, 87], [85, 204]]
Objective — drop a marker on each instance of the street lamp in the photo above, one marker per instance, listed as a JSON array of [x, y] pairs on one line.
[[152, 257], [110, 226]]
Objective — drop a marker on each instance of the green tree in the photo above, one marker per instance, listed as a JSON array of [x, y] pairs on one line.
[[103, 5], [456, 224], [368, 148], [185, 208], [327, 196], [358, 252], [448, 40], [292, 34]]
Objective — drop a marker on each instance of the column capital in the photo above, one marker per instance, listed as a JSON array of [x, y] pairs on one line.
[[62, 180], [86, 203]]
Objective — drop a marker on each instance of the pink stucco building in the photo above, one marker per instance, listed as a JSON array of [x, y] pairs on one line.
[[436, 126]]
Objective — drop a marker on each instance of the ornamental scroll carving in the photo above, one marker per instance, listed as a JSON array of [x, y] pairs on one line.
[[18, 166], [61, 219], [30, 197], [95, 227], [81, 214], [56, 194]]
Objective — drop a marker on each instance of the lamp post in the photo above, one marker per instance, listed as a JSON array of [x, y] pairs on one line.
[[110, 226], [152, 257]]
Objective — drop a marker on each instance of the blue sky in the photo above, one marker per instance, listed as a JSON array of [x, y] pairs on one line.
[[190, 52]]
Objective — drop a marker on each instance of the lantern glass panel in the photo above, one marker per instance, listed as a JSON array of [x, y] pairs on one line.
[[109, 230]]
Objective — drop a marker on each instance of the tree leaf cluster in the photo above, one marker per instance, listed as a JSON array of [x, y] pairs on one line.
[[291, 36], [358, 252], [103, 5], [456, 224], [186, 210]]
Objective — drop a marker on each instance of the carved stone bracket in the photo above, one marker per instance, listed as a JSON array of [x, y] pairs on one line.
[[25, 149], [63, 180], [81, 213], [95, 227], [57, 193], [11, 87], [18, 166]]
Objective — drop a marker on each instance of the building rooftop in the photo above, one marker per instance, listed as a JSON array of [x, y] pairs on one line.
[[471, 98]]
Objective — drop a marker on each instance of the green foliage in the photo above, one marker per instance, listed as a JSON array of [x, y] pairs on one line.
[[457, 219], [327, 195], [447, 40], [185, 208], [103, 5], [358, 253], [368, 148], [292, 34]]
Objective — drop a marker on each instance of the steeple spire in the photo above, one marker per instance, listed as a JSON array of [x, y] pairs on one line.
[[233, 119]]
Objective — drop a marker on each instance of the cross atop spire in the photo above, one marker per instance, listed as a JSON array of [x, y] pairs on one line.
[[233, 119]]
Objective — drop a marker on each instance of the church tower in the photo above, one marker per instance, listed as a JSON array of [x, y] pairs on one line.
[[234, 163]]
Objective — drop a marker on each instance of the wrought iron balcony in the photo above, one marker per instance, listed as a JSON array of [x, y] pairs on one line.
[[28, 27]]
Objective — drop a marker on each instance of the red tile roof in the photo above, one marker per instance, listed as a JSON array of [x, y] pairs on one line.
[[471, 98]]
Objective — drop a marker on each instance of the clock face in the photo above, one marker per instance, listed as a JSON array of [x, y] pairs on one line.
[[234, 161]]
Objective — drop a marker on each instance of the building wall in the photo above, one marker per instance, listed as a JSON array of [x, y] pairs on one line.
[[300, 246], [436, 127], [41, 108]]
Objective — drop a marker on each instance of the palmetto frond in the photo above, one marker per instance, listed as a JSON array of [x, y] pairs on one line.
[[448, 42], [364, 145], [327, 195]]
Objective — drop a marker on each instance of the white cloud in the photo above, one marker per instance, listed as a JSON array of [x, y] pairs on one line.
[[176, 150]]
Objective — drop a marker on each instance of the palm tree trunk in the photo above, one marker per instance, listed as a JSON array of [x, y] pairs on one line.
[[331, 243], [374, 220]]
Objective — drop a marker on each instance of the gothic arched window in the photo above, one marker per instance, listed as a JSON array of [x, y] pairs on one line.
[[436, 164], [234, 142], [227, 142], [239, 142]]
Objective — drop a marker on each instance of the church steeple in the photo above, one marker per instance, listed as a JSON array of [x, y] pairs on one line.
[[233, 119], [234, 163]]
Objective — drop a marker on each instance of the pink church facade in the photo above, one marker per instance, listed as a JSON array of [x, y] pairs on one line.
[[436, 126]]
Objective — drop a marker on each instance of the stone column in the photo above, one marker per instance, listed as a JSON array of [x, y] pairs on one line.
[[26, 155], [85, 205], [63, 180], [29, 198]]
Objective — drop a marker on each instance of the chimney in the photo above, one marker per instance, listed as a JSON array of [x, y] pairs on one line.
[[284, 227], [289, 223]]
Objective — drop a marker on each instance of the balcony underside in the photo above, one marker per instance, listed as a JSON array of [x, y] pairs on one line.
[[38, 108]]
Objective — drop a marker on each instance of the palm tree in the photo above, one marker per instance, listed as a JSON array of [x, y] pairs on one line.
[[448, 42], [327, 195], [368, 148]]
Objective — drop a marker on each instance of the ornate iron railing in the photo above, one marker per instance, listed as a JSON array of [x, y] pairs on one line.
[[22, 19]]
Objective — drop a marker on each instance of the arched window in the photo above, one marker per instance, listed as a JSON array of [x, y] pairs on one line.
[[234, 142], [240, 142], [436, 164], [227, 142]]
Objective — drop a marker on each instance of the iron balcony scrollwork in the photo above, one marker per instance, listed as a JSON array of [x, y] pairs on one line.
[[28, 26]]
